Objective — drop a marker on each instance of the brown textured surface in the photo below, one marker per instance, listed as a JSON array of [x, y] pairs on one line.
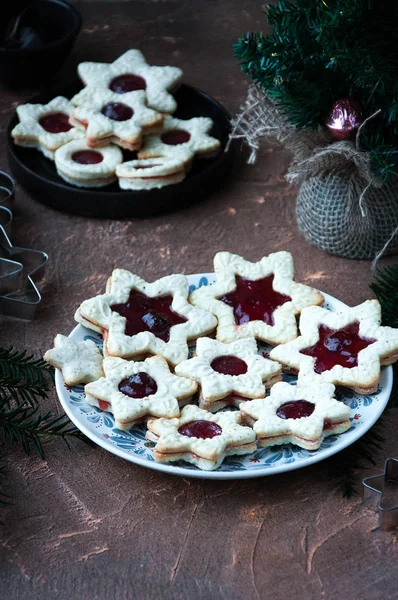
[[86, 524]]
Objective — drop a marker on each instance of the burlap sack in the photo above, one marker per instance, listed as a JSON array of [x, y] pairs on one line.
[[329, 216], [342, 207]]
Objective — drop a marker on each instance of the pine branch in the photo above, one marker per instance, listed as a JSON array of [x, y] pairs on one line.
[[23, 378], [25, 425]]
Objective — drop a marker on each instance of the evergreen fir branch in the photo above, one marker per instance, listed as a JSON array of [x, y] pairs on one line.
[[23, 377], [25, 425], [385, 288]]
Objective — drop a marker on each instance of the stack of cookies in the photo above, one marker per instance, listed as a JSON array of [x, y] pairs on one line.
[[214, 404], [125, 105]]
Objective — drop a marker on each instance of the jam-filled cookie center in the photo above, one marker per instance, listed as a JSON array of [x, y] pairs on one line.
[[127, 83], [200, 429], [149, 314], [139, 385], [87, 157], [337, 347], [117, 111], [254, 300], [296, 409], [175, 137], [229, 365], [57, 122]]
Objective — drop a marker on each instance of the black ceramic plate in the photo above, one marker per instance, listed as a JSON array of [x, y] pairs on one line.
[[37, 174]]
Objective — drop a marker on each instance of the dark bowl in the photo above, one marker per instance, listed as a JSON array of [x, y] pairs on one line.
[[58, 24], [38, 175]]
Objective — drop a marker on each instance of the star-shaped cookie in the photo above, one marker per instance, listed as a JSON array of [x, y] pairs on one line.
[[181, 138], [110, 118], [229, 373], [200, 437], [301, 415], [344, 348], [258, 300], [140, 318], [128, 73], [80, 362], [45, 126], [136, 391]]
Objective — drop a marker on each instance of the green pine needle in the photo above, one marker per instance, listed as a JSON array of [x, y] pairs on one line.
[[24, 382]]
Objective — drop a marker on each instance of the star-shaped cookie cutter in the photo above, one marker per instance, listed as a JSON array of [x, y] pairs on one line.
[[19, 295], [375, 494]]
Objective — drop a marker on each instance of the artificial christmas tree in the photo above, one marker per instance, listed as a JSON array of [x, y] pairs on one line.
[[327, 87]]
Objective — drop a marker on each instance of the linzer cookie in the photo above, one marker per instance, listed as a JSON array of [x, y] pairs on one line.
[[128, 73], [150, 174], [82, 166], [139, 318], [109, 118], [136, 391], [80, 362], [344, 348], [259, 300], [45, 126], [200, 438], [229, 374], [181, 138], [302, 415]]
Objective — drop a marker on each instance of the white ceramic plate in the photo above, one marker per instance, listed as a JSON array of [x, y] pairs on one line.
[[132, 445]]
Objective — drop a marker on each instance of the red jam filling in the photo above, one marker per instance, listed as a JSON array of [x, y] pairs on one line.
[[254, 300], [87, 157], [57, 122], [296, 409], [337, 347], [117, 111], [229, 365], [200, 429], [175, 137], [127, 83], [149, 314], [139, 385], [103, 405]]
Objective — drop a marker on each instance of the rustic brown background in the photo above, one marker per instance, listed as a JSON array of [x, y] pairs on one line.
[[86, 524]]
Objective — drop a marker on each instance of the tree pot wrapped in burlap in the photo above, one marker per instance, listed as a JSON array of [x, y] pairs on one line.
[[342, 207], [330, 217]]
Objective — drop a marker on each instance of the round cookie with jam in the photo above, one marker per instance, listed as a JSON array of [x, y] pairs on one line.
[[82, 166]]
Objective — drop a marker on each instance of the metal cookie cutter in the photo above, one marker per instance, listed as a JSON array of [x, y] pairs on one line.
[[19, 295], [7, 188], [381, 492]]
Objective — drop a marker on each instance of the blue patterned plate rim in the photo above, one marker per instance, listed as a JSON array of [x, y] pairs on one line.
[[131, 445]]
